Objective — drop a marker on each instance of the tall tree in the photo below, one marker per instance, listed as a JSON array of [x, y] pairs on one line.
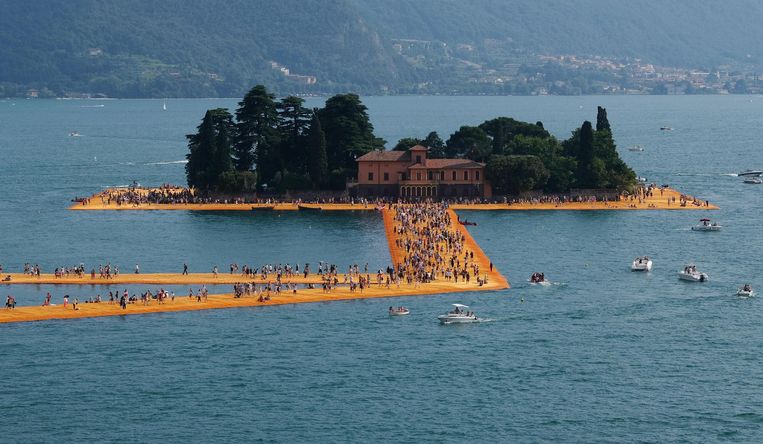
[[293, 124], [349, 132], [209, 150], [469, 142], [257, 138], [406, 143], [316, 153], [503, 130], [435, 144], [602, 123]]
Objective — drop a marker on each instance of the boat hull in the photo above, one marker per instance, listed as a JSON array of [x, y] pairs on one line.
[[644, 266], [446, 320], [693, 277], [706, 228]]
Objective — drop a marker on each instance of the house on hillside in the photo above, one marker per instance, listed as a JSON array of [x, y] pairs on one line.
[[410, 174]]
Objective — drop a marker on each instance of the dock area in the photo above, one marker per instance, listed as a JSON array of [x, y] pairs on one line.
[[661, 199], [467, 254]]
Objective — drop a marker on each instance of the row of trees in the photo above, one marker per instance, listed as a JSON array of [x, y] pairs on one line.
[[522, 156], [279, 144]]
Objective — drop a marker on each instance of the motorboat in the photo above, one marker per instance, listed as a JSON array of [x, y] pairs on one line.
[[399, 311], [641, 179], [467, 223], [74, 134], [636, 148], [690, 273], [459, 315], [538, 278], [706, 225], [746, 291], [753, 180], [642, 263], [753, 173], [666, 128]]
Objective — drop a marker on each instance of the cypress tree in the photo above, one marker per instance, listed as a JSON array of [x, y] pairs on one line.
[[602, 123], [201, 149], [257, 136]]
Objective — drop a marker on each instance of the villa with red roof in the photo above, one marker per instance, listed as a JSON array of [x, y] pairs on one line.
[[410, 174]]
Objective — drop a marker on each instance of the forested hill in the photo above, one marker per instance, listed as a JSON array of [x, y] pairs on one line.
[[682, 33], [193, 48]]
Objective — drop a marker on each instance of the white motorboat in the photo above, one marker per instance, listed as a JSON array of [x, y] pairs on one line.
[[753, 180], [706, 225], [459, 315], [746, 291], [690, 273], [636, 148], [666, 128], [642, 263], [753, 173], [399, 311]]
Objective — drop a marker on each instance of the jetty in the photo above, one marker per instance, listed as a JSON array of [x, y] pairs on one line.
[[664, 198]]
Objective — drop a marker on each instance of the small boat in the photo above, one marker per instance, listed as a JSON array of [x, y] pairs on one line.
[[467, 223], [636, 148], [746, 291], [538, 278], [753, 180], [308, 208], [754, 173], [399, 311], [690, 273], [706, 225], [642, 263], [164, 106], [74, 134], [263, 208], [666, 128], [459, 315], [641, 179]]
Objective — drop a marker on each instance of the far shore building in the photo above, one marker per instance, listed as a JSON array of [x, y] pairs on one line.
[[410, 174]]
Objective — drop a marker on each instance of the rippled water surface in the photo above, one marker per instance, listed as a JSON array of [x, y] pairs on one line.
[[602, 355]]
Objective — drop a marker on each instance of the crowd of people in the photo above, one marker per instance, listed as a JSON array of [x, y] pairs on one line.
[[431, 246]]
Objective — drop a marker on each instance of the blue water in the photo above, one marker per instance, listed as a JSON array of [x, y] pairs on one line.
[[602, 355]]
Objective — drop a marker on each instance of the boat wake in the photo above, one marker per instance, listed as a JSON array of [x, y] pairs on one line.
[[730, 174], [171, 162]]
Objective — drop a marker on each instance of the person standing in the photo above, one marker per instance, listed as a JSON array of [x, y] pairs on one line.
[[137, 269], [66, 300], [185, 269]]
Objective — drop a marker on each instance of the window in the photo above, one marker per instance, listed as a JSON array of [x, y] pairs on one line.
[[418, 176], [429, 175], [418, 159], [386, 177], [453, 175], [370, 175], [476, 175], [466, 175]]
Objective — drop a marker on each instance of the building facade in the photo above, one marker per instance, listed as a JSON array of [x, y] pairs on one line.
[[410, 174]]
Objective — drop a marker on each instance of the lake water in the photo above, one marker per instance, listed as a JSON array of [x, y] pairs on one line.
[[602, 355]]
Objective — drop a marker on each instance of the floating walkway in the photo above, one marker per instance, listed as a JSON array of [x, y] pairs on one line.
[[667, 199]]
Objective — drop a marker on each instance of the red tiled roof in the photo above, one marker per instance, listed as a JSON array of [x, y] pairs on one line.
[[418, 148], [448, 163], [384, 156]]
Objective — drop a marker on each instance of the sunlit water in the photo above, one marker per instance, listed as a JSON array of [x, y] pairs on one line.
[[602, 355]]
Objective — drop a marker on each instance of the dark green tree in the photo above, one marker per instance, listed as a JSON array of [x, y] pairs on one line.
[[316, 154], [293, 124], [406, 143], [349, 132], [257, 140], [503, 130], [602, 123], [469, 142], [516, 174], [435, 144], [209, 150]]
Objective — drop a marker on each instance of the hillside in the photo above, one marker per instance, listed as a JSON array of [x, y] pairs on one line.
[[195, 48], [191, 48]]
